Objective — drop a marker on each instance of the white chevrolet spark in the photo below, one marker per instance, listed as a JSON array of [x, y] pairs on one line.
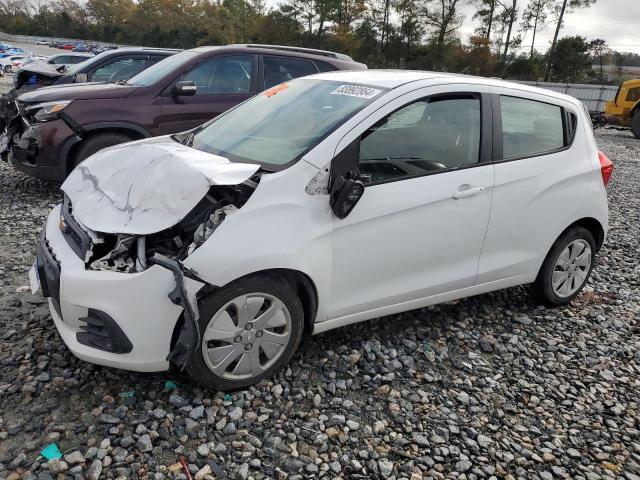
[[322, 202]]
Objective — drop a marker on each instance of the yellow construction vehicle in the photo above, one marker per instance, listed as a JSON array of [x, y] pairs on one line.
[[624, 110]]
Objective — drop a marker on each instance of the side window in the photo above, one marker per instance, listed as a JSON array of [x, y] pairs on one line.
[[423, 137], [118, 69], [154, 59], [633, 95], [325, 67], [73, 60], [282, 69], [220, 75], [530, 127], [61, 60]]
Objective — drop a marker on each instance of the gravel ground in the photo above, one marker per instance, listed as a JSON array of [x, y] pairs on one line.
[[488, 387]]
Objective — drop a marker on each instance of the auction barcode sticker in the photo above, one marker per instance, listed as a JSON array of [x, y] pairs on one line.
[[356, 91]]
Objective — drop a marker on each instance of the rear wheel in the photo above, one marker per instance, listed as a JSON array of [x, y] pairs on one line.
[[97, 143], [7, 68], [249, 329], [567, 267], [635, 123]]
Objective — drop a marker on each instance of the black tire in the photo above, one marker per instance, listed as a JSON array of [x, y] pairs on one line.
[[97, 143], [209, 305], [7, 68], [542, 289], [635, 123]]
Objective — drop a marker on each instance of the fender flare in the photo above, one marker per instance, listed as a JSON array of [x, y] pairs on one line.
[[81, 132], [117, 125]]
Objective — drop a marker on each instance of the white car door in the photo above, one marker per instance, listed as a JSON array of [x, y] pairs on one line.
[[541, 183], [419, 227]]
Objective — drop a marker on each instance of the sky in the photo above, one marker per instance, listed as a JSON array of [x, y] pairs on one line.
[[615, 21]]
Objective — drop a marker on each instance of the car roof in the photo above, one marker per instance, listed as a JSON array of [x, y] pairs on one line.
[[72, 54], [144, 49], [310, 53], [395, 78]]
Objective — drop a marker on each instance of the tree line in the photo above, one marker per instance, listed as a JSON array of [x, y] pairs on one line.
[[414, 34]]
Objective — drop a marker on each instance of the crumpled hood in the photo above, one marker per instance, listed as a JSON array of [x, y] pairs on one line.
[[45, 74], [146, 186]]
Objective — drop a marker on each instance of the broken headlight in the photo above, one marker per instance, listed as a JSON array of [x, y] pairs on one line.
[[131, 253], [44, 112]]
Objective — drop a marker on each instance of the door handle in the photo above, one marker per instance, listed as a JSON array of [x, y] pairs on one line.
[[465, 191]]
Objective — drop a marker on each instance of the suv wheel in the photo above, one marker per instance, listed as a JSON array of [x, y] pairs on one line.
[[249, 329], [635, 123], [97, 143], [567, 267]]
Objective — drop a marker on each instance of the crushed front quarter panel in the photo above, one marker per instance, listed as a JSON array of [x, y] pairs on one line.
[[147, 186]]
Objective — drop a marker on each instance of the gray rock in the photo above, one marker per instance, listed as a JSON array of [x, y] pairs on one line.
[[94, 470], [74, 457], [463, 466], [385, 467], [57, 466], [144, 443]]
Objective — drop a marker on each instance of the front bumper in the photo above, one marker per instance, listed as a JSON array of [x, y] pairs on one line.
[[136, 302], [39, 150]]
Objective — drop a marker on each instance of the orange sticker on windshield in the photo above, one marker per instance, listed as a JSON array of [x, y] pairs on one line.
[[278, 88]]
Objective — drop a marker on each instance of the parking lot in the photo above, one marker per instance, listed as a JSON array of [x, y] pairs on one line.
[[491, 386]]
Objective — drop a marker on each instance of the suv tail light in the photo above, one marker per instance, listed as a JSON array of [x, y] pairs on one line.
[[606, 168]]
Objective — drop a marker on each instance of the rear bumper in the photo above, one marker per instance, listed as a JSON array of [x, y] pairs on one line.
[[136, 303]]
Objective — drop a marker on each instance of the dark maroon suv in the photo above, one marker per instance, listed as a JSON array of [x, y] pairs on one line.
[[64, 125]]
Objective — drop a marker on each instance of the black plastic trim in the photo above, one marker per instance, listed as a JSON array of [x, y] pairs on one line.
[[91, 127], [189, 336], [79, 240], [102, 332]]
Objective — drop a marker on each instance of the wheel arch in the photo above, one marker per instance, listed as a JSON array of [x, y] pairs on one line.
[[132, 130], [299, 281], [594, 226]]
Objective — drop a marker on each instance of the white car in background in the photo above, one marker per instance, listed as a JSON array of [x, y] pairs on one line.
[[25, 61], [66, 60], [321, 202], [7, 63]]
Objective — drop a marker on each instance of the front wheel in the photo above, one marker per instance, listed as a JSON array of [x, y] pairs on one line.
[[567, 267], [7, 68], [249, 329], [635, 123], [97, 143]]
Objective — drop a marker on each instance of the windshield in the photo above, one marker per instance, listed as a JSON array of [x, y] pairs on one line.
[[279, 125], [155, 72]]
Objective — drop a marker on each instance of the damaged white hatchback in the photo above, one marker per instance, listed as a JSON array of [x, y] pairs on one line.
[[321, 202]]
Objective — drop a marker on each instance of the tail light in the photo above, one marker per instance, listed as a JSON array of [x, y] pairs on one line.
[[606, 168]]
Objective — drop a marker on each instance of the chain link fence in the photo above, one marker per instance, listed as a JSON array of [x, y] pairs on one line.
[[594, 97], [9, 37]]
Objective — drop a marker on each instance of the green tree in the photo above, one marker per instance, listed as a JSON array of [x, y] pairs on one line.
[[570, 60], [598, 49], [534, 19], [562, 8]]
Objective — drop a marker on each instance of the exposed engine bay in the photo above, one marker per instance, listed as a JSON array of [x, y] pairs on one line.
[[129, 253]]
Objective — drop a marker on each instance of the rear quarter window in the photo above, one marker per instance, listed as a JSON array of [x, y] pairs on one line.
[[530, 128], [325, 66]]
